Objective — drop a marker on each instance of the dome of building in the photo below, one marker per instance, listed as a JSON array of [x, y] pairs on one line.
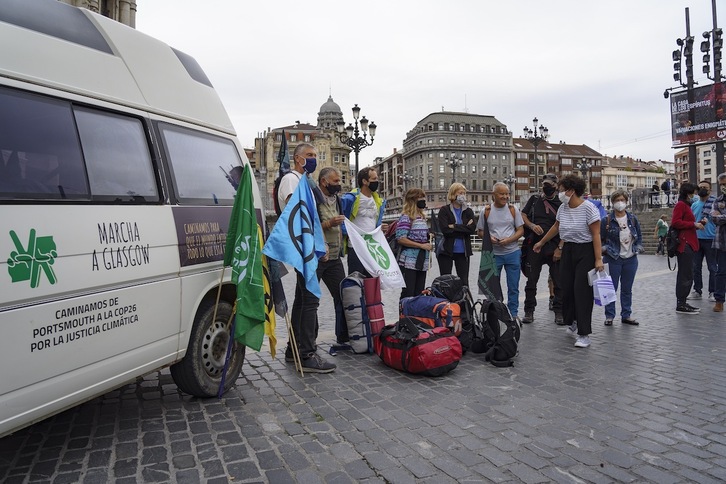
[[330, 106], [329, 114]]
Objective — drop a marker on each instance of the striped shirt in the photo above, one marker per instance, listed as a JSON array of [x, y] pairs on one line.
[[575, 222], [415, 231]]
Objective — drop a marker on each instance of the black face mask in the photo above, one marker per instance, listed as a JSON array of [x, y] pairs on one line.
[[703, 192], [549, 190], [421, 204], [373, 186], [333, 189]]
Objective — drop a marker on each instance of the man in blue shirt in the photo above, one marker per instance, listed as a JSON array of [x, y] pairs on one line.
[[701, 208]]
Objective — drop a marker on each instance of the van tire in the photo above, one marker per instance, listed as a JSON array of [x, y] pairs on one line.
[[199, 373]]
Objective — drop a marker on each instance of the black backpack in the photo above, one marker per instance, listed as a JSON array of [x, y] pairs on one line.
[[449, 287], [391, 239], [499, 334], [672, 241], [452, 288]]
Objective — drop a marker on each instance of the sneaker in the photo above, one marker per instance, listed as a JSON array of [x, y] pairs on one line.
[[718, 307], [694, 308], [559, 320], [695, 296], [686, 309], [572, 329], [528, 317], [582, 342], [711, 297], [316, 364], [288, 354]]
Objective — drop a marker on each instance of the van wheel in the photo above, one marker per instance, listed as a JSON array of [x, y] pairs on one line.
[[199, 373]]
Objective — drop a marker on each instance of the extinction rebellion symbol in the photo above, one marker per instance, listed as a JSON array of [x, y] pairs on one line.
[[306, 231]]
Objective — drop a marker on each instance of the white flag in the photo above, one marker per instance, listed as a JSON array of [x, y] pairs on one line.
[[375, 254]]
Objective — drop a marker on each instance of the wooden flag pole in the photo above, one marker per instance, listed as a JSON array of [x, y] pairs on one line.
[[219, 293], [293, 346]]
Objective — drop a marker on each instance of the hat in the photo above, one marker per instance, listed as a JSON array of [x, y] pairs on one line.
[[550, 177]]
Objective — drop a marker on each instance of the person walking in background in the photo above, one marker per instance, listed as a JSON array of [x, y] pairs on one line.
[[622, 240], [330, 267], [718, 217], [458, 224], [684, 221], [539, 215], [578, 225], [661, 229], [364, 207], [701, 209], [412, 233], [505, 228]]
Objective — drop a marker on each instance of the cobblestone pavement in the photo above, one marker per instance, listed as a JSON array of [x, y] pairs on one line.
[[642, 404]]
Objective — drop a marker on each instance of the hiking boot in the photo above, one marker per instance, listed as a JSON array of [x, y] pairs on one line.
[[572, 329], [711, 297], [686, 309], [528, 317], [288, 354], [718, 307], [695, 296], [316, 364], [582, 342], [559, 320]]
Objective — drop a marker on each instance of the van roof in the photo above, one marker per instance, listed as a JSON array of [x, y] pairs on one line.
[[75, 50]]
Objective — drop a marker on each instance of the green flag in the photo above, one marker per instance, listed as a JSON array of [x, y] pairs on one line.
[[243, 251]]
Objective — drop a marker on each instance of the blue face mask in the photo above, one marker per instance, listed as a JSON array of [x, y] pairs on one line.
[[310, 165]]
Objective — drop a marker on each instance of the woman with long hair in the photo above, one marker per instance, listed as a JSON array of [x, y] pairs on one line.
[[458, 224], [684, 221], [412, 233], [578, 224]]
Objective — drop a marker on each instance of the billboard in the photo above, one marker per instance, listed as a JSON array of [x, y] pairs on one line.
[[700, 121]]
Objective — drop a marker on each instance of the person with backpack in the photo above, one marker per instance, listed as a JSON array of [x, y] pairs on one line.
[[718, 217], [330, 267], [412, 233], [364, 207], [684, 221], [701, 209], [304, 317], [457, 223], [661, 229], [578, 225], [622, 241], [505, 228], [539, 215]]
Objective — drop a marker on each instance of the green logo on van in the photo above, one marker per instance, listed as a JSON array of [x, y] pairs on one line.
[[27, 263]]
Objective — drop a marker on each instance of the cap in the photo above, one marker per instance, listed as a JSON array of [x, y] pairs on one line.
[[549, 177]]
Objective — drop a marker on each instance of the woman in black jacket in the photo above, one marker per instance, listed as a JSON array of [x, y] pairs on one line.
[[457, 223]]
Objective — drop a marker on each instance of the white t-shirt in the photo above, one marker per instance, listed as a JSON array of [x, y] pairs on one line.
[[626, 237], [367, 215], [288, 184], [575, 222], [501, 226]]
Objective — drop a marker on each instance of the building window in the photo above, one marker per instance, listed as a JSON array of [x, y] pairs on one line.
[[484, 169], [494, 170], [473, 141], [430, 155], [463, 142], [293, 138], [441, 168], [278, 137], [441, 182], [473, 184], [441, 126], [622, 181], [336, 158], [441, 141], [452, 141], [483, 141], [430, 168], [504, 170], [483, 184], [441, 155], [431, 127], [473, 169], [431, 141], [307, 138], [473, 156]]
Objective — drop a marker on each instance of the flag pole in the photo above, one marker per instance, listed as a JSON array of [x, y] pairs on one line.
[[431, 255], [230, 344], [293, 346], [219, 293]]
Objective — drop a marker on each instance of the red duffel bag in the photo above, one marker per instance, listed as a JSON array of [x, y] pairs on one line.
[[412, 346]]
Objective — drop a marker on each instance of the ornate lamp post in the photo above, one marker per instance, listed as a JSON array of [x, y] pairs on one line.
[[350, 135], [454, 163], [405, 178], [509, 180], [536, 136], [583, 167]]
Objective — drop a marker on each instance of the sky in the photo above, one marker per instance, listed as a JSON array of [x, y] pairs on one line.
[[593, 72]]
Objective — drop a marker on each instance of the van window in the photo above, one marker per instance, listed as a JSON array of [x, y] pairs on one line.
[[202, 165], [117, 156], [40, 154]]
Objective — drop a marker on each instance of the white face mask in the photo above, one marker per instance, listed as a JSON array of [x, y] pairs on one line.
[[461, 199], [619, 206], [564, 198]]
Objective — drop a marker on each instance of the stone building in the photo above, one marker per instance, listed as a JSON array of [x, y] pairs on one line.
[[123, 11], [446, 146], [323, 136]]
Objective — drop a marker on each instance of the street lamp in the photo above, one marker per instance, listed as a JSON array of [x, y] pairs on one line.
[[350, 135], [584, 166], [509, 180], [455, 163], [536, 136], [405, 178]]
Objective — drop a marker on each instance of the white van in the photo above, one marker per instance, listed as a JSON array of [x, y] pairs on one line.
[[117, 177]]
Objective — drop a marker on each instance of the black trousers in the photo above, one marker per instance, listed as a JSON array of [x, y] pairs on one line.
[[577, 299], [304, 318], [461, 261], [536, 261], [415, 282], [332, 273], [354, 263], [684, 278]]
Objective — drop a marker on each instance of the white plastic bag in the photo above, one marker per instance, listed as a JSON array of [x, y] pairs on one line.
[[603, 290]]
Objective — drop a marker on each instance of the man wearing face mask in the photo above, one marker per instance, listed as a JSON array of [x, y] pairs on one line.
[[364, 207], [539, 215], [718, 217], [701, 208], [304, 317], [330, 267]]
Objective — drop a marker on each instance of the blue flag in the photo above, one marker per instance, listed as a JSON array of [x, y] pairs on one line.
[[297, 238]]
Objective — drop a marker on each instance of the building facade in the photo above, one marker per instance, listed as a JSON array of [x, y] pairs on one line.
[[123, 11]]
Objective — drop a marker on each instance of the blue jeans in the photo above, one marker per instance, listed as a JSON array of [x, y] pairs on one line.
[[704, 252], [511, 263], [720, 283], [622, 271]]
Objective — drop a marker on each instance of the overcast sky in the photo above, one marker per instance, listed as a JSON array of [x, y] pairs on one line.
[[592, 72]]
